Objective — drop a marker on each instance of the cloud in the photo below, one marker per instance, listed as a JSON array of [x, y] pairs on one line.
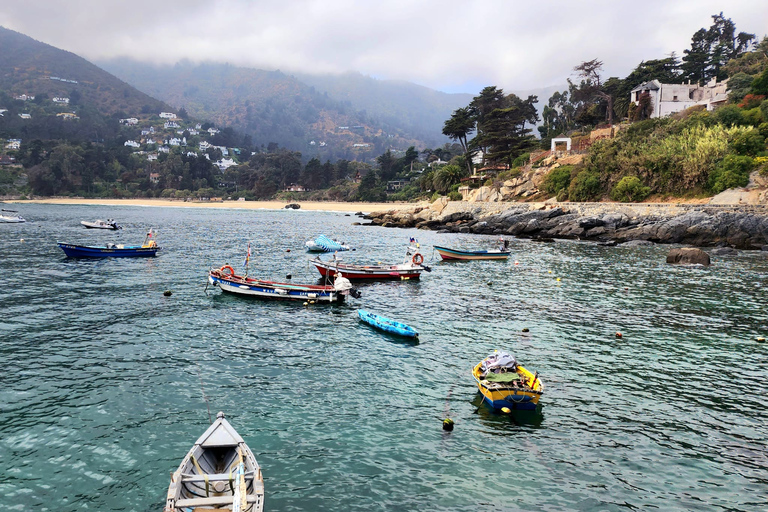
[[448, 45]]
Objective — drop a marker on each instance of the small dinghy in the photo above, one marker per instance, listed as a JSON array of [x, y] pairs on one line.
[[219, 473], [387, 325], [101, 224]]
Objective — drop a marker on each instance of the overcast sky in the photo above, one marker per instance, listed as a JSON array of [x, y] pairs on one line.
[[449, 45]]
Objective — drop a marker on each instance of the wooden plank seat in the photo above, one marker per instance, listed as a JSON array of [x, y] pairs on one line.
[[213, 501], [214, 477]]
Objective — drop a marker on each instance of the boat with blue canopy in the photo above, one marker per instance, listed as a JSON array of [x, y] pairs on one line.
[[386, 324], [112, 250], [324, 244]]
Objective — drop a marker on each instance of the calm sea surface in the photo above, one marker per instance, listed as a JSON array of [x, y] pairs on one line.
[[101, 391]]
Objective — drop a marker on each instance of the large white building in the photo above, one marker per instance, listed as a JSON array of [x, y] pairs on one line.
[[666, 99]]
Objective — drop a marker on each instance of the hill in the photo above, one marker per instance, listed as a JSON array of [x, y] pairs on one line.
[[33, 68], [294, 110]]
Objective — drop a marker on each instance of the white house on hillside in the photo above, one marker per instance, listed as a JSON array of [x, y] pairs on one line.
[[666, 99], [131, 144], [167, 115]]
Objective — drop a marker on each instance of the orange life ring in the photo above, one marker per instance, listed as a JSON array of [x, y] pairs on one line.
[[231, 270], [418, 259]]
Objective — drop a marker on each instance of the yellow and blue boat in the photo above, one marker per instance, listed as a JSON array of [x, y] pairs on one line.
[[504, 383]]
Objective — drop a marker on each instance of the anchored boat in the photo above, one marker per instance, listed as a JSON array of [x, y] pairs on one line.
[[110, 250], [219, 473], [504, 383], [458, 254], [324, 244], [411, 267], [101, 224], [226, 279]]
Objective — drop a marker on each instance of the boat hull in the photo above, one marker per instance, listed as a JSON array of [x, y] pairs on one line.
[[377, 272], [11, 220], [97, 225], [270, 290], [387, 325], [219, 469], [457, 255], [499, 396], [84, 251]]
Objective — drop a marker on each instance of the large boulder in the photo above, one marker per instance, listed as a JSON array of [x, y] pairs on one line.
[[688, 256]]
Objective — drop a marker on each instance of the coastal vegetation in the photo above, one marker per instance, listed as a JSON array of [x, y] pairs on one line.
[[83, 148]]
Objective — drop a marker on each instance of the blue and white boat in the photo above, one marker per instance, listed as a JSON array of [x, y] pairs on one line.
[[111, 250], [387, 325], [324, 244]]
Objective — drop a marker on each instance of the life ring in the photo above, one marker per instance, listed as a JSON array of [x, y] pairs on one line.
[[418, 259], [231, 270]]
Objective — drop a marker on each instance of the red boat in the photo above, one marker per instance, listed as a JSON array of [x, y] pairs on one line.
[[409, 269]]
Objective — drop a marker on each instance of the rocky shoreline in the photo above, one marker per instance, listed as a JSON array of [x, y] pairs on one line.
[[700, 225]]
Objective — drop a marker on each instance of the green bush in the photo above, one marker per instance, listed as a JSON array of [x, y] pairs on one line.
[[557, 179], [585, 186], [629, 190], [730, 115], [454, 196], [732, 172], [748, 143], [521, 160]]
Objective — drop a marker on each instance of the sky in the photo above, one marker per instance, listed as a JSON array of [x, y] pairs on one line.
[[448, 45]]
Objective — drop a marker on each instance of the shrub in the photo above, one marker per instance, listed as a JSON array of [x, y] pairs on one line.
[[585, 186], [751, 101], [557, 179], [521, 160], [732, 172], [749, 143], [454, 196], [730, 115], [629, 190]]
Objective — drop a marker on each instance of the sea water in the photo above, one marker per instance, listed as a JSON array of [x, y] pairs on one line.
[[107, 382]]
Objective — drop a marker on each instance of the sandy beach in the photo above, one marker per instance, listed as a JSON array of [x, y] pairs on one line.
[[239, 205]]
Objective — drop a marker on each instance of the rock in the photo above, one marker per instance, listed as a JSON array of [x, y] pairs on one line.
[[636, 243], [723, 251], [764, 248], [688, 256]]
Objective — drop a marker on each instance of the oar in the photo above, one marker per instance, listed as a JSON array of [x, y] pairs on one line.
[[239, 500]]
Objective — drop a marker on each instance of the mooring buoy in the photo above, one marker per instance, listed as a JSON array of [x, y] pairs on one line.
[[448, 424]]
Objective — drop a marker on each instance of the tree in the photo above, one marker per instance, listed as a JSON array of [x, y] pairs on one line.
[[386, 163], [591, 90], [458, 128], [711, 49]]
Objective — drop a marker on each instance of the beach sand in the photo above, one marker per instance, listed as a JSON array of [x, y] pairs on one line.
[[239, 205]]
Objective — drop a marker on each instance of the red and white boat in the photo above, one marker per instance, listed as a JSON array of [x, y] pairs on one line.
[[410, 268]]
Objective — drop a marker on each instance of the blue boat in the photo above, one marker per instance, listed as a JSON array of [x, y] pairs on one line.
[[110, 250], [386, 324]]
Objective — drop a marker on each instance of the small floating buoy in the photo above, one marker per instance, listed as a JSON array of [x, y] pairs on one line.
[[311, 302], [288, 276], [505, 410], [549, 271], [490, 283], [760, 339], [618, 334], [287, 250], [448, 424], [22, 240], [517, 262], [558, 279], [167, 293], [306, 303], [525, 329]]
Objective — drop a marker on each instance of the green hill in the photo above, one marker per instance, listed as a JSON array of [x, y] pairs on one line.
[[33, 68]]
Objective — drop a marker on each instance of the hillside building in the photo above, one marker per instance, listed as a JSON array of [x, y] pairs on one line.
[[667, 99]]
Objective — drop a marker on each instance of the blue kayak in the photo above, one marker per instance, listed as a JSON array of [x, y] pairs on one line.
[[387, 325]]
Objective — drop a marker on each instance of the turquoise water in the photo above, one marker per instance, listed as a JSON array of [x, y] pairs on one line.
[[101, 391]]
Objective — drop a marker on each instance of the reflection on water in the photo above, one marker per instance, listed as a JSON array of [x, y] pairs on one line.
[[101, 392]]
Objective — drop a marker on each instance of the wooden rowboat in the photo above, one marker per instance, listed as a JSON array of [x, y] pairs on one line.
[[219, 473], [387, 325], [457, 254], [505, 384]]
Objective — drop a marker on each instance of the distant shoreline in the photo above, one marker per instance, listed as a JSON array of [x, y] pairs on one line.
[[234, 205]]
